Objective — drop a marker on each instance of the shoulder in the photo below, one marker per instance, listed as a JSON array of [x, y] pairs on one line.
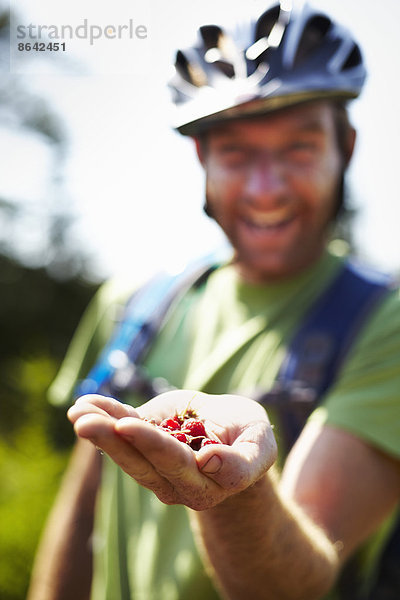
[[95, 327], [114, 292], [383, 323], [375, 297]]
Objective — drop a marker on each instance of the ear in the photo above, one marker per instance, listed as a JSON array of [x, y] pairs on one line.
[[199, 149], [351, 141]]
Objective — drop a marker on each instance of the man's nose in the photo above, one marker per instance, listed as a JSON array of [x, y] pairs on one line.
[[265, 180]]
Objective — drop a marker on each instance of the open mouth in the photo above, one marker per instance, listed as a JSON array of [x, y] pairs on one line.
[[268, 221]]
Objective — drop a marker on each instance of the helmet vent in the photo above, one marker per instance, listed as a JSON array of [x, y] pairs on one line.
[[313, 35], [182, 65], [210, 35], [266, 22], [353, 60], [226, 67], [190, 72], [218, 49]]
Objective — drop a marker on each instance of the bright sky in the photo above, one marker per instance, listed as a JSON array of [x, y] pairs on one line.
[[134, 183]]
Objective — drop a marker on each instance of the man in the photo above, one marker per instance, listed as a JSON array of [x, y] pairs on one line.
[[273, 137]]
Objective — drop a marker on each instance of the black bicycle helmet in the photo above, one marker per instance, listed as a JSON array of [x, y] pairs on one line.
[[288, 56]]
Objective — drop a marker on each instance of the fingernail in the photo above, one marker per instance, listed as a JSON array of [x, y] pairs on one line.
[[213, 465]]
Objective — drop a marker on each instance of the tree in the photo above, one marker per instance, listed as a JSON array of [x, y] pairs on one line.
[[43, 293], [27, 117]]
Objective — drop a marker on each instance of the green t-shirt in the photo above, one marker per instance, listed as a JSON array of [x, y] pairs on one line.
[[225, 336]]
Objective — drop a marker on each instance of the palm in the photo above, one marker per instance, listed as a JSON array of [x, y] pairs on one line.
[[175, 473]]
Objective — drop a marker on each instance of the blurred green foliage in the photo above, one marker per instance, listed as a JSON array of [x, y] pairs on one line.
[[39, 310], [38, 315]]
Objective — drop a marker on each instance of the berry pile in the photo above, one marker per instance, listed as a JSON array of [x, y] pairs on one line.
[[187, 428]]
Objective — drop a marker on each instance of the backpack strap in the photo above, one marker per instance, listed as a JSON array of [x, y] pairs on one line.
[[319, 347], [313, 358], [118, 365]]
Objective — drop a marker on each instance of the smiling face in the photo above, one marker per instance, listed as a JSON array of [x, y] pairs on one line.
[[272, 185]]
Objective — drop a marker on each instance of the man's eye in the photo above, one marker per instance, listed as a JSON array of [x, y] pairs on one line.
[[301, 150], [233, 154], [232, 150], [302, 146], [233, 158]]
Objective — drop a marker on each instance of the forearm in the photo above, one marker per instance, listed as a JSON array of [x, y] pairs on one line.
[[63, 565], [259, 546], [254, 540]]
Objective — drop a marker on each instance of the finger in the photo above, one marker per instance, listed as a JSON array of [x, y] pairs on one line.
[[171, 457], [99, 429], [175, 462], [95, 425], [237, 467], [110, 405], [84, 408]]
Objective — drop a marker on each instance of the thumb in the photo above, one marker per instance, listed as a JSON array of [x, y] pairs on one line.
[[235, 467]]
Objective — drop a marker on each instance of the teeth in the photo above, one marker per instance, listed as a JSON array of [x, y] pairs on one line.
[[268, 219]]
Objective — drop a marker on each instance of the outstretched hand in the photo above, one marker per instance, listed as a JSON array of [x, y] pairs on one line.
[[172, 470]]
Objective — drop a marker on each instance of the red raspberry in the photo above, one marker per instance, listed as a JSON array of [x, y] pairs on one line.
[[180, 436], [164, 429], [194, 427], [171, 423], [187, 428], [206, 441]]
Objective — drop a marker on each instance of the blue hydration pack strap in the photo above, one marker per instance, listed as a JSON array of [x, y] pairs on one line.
[[318, 348], [320, 345], [118, 364]]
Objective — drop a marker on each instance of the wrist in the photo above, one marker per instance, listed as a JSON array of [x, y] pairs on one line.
[[247, 499]]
